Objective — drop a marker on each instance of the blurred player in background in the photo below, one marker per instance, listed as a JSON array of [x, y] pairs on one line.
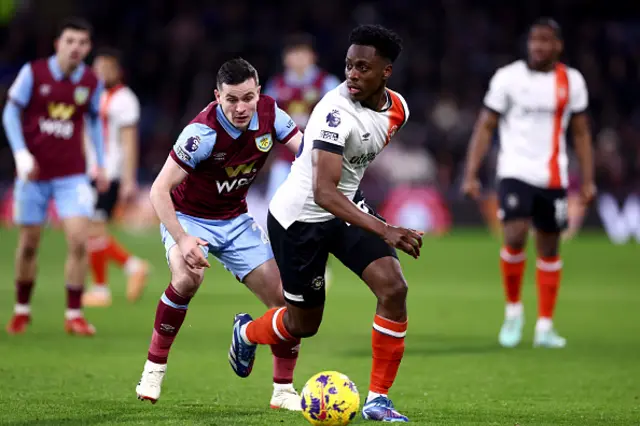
[[313, 214], [297, 90], [119, 113], [44, 122], [200, 198], [533, 102]]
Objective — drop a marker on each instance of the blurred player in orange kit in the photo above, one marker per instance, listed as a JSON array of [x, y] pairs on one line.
[[119, 114], [297, 90], [533, 103]]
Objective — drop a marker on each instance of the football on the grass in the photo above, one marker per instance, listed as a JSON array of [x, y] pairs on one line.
[[330, 398]]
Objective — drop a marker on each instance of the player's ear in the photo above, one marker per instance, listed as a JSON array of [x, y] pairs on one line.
[[217, 93], [387, 71], [258, 89]]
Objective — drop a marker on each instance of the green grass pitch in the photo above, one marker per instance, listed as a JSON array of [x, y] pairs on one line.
[[453, 373]]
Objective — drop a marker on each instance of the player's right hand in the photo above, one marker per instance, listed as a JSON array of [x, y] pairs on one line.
[[407, 240], [26, 165], [191, 253], [471, 187]]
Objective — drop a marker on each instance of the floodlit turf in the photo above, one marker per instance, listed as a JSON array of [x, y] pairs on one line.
[[453, 372]]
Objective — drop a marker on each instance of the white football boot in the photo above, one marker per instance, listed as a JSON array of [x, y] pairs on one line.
[[285, 397], [545, 335], [151, 381]]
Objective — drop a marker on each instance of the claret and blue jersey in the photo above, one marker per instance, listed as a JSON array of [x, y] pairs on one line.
[[221, 162], [45, 115]]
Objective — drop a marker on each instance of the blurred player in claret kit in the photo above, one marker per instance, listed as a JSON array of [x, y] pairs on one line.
[[44, 122], [533, 102], [297, 90], [200, 198], [313, 214], [119, 113]]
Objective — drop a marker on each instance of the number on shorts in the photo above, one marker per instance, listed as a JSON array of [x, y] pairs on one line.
[[263, 235], [561, 207]]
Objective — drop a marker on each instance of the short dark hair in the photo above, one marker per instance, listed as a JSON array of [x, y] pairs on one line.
[[387, 43], [299, 40], [549, 23], [110, 52], [74, 23], [235, 72]]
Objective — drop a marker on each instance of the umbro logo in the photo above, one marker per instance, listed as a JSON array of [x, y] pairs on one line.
[[365, 137]]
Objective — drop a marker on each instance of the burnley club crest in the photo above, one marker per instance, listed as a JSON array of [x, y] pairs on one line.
[[80, 95]]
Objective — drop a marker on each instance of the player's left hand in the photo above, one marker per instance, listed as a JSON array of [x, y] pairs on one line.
[[588, 192], [128, 190], [102, 184]]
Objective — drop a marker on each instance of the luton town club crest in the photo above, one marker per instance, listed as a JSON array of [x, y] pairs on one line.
[[80, 95], [264, 142]]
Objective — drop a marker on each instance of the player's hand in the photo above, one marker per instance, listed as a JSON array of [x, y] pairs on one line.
[[128, 190], [471, 187], [407, 240], [191, 253], [26, 165], [588, 192], [102, 184]]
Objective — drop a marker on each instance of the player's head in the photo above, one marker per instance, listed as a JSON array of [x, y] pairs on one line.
[[544, 44], [238, 91], [298, 54], [73, 41], [107, 66], [369, 60]]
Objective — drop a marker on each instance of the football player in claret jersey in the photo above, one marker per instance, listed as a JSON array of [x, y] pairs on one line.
[[119, 113], [200, 198], [533, 102], [313, 214], [44, 122]]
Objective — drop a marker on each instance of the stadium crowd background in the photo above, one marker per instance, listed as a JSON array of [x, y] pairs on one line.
[[172, 50]]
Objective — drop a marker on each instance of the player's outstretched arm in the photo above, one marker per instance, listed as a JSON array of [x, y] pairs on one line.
[[327, 170], [478, 147], [584, 151], [294, 143], [169, 177]]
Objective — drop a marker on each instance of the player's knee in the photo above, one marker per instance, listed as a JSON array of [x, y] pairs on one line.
[[304, 327], [515, 236], [393, 291], [77, 247], [186, 283], [27, 251]]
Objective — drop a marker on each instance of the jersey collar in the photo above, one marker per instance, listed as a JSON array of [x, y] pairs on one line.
[[57, 73], [232, 130]]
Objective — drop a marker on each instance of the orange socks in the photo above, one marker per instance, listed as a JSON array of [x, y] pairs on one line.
[[512, 262], [387, 341], [269, 329], [548, 273], [116, 252], [97, 248]]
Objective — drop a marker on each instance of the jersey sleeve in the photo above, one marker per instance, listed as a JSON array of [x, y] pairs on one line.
[[330, 128], [20, 90], [194, 145], [94, 105], [496, 98], [579, 96], [284, 126], [127, 111]]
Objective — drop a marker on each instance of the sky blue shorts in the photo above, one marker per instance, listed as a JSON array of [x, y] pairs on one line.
[[240, 244], [73, 197]]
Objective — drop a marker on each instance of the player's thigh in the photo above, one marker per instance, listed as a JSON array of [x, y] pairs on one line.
[[301, 252], [550, 210], [184, 278], [76, 231], [74, 196], [192, 226], [105, 202], [30, 202], [357, 248], [264, 282], [385, 279], [516, 210]]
